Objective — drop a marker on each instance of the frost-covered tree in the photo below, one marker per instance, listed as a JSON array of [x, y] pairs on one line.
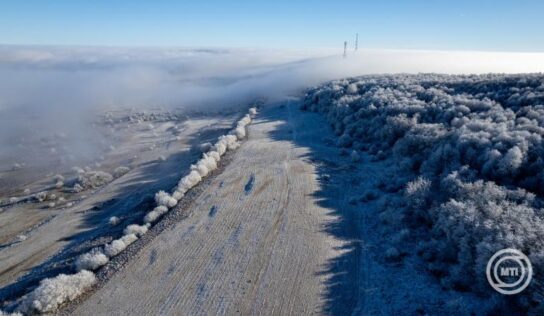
[[472, 149]]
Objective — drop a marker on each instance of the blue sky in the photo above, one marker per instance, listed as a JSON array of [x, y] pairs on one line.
[[488, 25]]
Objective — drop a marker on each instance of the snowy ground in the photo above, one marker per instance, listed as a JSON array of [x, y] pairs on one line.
[[253, 242], [40, 239], [292, 224], [279, 232]]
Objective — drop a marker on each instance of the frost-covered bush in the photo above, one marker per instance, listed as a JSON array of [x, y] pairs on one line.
[[53, 292], [417, 193], [226, 142], [476, 219], [215, 155], [94, 179], [120, 171], [472, 150], [157, 212], [114, 220], [91, 260], [59, 181], [13, 200], [40, 196], [117, 246], [177, 194], [138, 230], [201, 169], [209, 161], [189, 181], [165, 199], [77, 188]]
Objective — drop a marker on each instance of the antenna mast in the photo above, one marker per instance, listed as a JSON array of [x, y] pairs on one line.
[[356, 41], [345, 48]]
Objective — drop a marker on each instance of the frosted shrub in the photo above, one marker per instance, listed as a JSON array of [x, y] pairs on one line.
[[77, 188], [220, 148], [94, 179], [417, 193], [138, 230], [215, 155], [114, 220], [240, 132], [117, 246], [352, 88], [200, 168], [165, 199], [511, 161], [203, 167], [53, 292], [178, 195], [13, 200], [155, 214], [92, 260], [189, 181], [40, 196], [120, 171], [209, 162], [244, 121], [230, 141]]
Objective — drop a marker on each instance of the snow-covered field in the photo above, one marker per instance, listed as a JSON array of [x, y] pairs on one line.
[[79, 238], [51, 222]]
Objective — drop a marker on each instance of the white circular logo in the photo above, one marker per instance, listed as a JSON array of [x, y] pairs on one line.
[[509, 271]]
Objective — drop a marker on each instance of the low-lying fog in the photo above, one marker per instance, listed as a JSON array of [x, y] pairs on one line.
[[57, 91]]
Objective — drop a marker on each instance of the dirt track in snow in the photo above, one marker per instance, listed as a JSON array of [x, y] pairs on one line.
[[255, 242]]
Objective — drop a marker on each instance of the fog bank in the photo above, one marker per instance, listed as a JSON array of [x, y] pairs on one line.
[[58, 90]]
